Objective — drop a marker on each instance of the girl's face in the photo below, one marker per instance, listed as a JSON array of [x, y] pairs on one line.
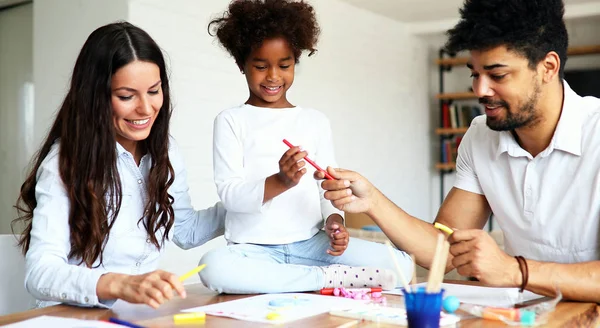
[[269, 72], [136, 99]]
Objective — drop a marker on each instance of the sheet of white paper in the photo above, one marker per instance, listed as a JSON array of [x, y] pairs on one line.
[[384, 314], [488, 296], [58, 322], [256, 308], [122, 308]]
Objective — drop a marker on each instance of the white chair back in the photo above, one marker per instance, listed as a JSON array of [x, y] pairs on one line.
[[13, 295]]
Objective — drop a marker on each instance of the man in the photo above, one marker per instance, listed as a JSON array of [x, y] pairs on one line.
[[533, 160]]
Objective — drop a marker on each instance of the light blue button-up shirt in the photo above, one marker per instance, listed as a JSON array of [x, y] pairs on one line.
[[52, 277]]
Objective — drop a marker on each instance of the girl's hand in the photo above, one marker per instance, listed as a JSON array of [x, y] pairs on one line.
[[338, 235], [291, 167]]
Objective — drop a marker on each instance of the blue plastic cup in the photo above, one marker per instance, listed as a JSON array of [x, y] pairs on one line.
[[422, 308]]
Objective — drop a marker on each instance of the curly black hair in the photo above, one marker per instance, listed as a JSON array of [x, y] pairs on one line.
[[532, 28], [247, 23]]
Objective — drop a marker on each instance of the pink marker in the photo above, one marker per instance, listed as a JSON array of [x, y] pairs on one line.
[[327, 175]]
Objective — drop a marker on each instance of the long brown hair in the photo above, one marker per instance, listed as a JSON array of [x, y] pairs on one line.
[[85, 131]]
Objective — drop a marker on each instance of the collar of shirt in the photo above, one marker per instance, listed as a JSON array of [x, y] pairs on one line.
[[567, 136], [121, 151]]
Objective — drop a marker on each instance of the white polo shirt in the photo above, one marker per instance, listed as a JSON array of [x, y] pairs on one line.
[[549, 206]]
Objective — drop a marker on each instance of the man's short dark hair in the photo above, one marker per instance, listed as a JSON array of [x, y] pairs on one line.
[[531, 28]]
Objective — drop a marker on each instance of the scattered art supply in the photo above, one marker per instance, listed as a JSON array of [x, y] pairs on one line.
[[327, 175], [385, 314], [423, 307], [49, 321], [273, 316], [277, 308], [189, 318], [367, 294], [329, 291], [424, 304], [124, 323], [192, 272], [450, 304], [486, 296], [413, 280], [397, 265], [532, 315], [443, 228], [438, 265]]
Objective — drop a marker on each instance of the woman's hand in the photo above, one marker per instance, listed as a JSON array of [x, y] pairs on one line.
[[153, 288]]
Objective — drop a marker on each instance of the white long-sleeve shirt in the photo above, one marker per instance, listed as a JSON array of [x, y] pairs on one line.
[[247, 147], [52, 277]]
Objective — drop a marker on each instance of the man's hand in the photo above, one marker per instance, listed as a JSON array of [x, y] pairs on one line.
[[350, 192], [477, 255], [338, 235]]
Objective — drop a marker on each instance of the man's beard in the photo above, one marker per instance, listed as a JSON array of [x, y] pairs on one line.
[[524, 117]]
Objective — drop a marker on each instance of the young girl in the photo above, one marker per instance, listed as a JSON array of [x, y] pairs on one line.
[[108, 187], [274, 212]]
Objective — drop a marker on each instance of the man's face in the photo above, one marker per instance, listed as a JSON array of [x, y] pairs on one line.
[[507, 87]]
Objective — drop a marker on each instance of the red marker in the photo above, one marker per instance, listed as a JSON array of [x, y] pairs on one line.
[[327, 175], [329, 291]]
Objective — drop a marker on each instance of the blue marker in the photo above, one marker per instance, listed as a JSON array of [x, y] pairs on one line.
[[124, 323]]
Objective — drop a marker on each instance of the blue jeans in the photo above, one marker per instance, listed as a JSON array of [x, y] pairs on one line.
[[295, 267]]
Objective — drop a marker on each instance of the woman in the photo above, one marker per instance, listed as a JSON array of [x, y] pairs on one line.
[[108, 186]]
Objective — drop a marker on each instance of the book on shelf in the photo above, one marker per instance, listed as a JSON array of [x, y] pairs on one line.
[[455, 116], [450, 149]]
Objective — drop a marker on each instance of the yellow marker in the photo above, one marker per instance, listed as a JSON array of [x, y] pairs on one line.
[[192, 272], [273, 316], [185, 318], [442, 227]]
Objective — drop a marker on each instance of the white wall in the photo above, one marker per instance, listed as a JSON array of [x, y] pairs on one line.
[[39, 44], [16, 74], [60, 28], [367, 76]]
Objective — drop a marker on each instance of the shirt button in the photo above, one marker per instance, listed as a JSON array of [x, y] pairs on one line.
[[63, 296], [86, 299], [137, 264], [140, 181], [148, 241]]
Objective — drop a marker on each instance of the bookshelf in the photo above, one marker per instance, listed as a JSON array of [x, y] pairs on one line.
[[451, 132], [572, 51], [455, 117], [456, 96]]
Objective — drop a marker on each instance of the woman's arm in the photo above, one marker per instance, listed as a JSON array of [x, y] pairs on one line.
[[48, 275], [51, 277], [192, 228]]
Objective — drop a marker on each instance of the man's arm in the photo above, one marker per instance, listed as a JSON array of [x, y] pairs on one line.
[[477, 255], [353, 193], [460, 210], [578, 281]]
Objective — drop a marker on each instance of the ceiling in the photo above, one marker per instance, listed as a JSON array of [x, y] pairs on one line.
[[414, 11]]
